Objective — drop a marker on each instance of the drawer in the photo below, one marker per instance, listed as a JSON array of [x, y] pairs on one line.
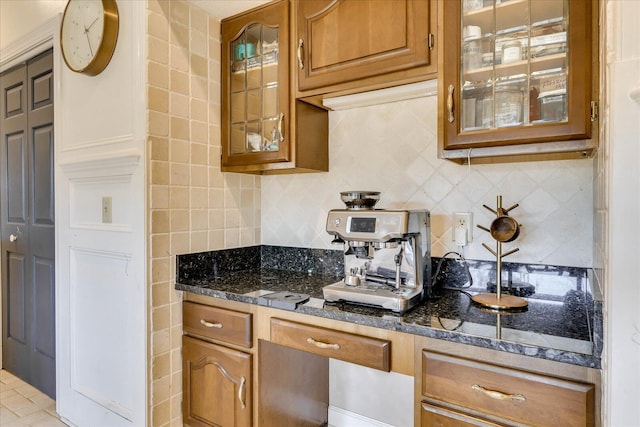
[[438, 416], [524, 397], [361, 350], [229, 326]]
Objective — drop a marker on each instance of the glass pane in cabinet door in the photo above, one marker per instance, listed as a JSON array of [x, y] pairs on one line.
[[238, 107], [271, 134], [270, 98], [254, 105], [548, 49], [254, 140], [238, 76], [237, 135], [509, 99], [477, 64], [270, 74], [477, 107], [550, 90], [269, 44]]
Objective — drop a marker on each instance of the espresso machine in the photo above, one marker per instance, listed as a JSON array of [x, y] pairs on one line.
[[387, 254]]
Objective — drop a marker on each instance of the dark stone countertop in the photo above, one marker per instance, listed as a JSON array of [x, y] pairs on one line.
[[563, 320]]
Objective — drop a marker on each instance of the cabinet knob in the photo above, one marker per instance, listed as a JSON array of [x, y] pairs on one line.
[[13, 238]]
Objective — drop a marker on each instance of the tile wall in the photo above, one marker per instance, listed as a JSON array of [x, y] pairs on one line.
[[392, 148], [193, 207]]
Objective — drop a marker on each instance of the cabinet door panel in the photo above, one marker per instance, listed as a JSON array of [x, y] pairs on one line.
[[216, 385], [344, 40]]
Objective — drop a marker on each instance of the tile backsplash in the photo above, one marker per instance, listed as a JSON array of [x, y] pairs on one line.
[[392, 148]]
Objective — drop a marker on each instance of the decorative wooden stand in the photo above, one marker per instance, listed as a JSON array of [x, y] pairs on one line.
[[497, 300]]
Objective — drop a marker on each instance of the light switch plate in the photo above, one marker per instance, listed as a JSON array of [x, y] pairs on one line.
[[107, 210]]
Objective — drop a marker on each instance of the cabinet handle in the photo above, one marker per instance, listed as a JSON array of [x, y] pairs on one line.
[[13, 238], [210, 325], [323, 345], [280, 127], [243, 381], [300, 63], [450, 103], [498, 395]]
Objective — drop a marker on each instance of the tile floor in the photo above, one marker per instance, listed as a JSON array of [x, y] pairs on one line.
[[24, 405]]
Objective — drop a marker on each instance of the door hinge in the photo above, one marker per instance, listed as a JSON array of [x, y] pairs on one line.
[[431, 41], [594, 111]]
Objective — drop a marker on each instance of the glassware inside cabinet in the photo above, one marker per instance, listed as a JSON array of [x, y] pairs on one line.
[[254, 102], [513, 63]]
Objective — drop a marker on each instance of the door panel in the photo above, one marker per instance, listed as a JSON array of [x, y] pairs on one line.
[[27, 222], [43, 175], [15, 158], [15, 97], [44, 310], [17, 308]]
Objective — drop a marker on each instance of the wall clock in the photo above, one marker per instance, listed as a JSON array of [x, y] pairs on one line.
[[88, 34]]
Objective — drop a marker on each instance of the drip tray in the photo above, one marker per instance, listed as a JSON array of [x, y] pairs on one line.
[[373, 294], [283, 300]]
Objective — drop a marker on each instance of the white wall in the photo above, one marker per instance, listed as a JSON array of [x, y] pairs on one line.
[[622, 292], [32, 15]]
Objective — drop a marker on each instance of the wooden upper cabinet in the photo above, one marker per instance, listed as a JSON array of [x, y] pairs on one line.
[[264, 129], [517, 76], [340, 41]]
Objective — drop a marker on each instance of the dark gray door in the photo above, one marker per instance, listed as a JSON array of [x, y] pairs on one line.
[[27, 222]]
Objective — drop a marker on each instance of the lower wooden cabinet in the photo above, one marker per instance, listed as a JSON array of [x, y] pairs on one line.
[[504, 394], [216, 385]]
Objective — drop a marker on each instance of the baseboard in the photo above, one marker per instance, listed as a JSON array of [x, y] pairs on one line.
[[339, 417]]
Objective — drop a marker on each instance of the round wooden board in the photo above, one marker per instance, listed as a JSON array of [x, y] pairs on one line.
[[505, 302]]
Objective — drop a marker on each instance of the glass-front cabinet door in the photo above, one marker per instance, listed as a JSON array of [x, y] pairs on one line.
[[519, 72], [255, 87], [256, 118]]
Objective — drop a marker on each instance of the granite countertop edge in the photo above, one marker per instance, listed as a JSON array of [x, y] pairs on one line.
[[573, 358]]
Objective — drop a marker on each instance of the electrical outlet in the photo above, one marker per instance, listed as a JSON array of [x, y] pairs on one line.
[[462, 221]]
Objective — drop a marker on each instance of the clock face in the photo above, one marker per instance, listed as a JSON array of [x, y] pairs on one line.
[[88, 34]]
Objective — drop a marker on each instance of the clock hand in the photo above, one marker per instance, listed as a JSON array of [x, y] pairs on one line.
[[91, 25], [86, 33]]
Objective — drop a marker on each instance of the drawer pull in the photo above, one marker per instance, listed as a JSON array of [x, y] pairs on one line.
[[498, 395], [243, 381], [323, 345], [210, 325], [299, 52], [450, 103]]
